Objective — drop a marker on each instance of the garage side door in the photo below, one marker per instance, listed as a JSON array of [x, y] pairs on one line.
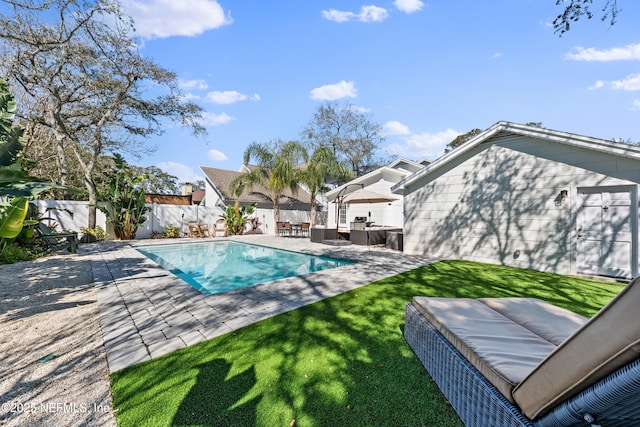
[[605, 231]]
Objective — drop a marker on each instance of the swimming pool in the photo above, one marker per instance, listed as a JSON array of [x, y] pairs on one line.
[[220, 266]]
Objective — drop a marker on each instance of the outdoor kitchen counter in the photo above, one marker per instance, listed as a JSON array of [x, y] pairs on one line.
[[319, 234], [371, 235]]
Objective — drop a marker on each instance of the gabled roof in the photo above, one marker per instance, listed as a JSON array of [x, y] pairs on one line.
[[221, 181], [374, 176], [502, 129], [406, 164]]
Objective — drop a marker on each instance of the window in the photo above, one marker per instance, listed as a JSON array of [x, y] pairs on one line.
[[342, 214]]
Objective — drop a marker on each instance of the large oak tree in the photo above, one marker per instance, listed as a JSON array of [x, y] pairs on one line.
[[350, 133], [85, 83]]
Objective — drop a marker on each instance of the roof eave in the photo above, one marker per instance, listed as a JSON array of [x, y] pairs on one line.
[[585, 142]]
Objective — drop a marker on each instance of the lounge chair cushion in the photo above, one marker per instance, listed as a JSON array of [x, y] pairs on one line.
[[502, 350], [552, 323], [609, 340]]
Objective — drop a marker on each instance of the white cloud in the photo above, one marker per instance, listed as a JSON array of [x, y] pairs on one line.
[[182, 171], [229, 97], [342, 89], [630, 83], [424, 145], [337, 15], [216, 155], [395, 128], [154, 19], [359, 109], [213, 119], [631, 51], [409, 6], [196, 84], [497, 55], [636, 104], [368, 13]]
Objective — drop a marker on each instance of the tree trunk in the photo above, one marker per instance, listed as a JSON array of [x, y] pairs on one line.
[[276, 211], [62, 161], [93, 200], [312, 212]]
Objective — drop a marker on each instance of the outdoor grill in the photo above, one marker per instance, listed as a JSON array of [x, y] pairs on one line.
[[360, 223]]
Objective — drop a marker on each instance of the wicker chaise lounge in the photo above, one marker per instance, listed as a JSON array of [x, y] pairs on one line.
[[524, 362]]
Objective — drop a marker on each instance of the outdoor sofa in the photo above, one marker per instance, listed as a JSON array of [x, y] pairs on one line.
[[524, 362]]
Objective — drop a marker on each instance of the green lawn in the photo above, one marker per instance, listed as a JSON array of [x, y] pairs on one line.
[[338, 362]]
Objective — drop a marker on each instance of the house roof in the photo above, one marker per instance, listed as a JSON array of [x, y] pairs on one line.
[[197, 196], [221, 181], [406, 164], [501, 129], [398, 168]]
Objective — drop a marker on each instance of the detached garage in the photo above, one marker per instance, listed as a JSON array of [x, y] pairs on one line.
[[529, 197]]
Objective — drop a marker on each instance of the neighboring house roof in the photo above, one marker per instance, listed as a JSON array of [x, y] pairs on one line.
[[399, 169], [501, 129], [167, 199], [197, 196], [221, 181], [405, 164]]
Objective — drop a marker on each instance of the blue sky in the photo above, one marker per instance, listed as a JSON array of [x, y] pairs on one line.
[[425, 70]]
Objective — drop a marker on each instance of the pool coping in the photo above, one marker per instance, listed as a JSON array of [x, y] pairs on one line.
[[147, 311]]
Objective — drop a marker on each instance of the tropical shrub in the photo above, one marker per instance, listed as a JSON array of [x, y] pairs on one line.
[[171, 232], [126, 205], [97, 234], [237, 217], [254, 223], [16, 186]]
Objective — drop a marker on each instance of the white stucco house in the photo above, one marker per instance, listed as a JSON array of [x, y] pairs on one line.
[[529, 197], [379, 181]]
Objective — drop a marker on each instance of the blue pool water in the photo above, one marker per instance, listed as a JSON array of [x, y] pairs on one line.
[[214, 267]]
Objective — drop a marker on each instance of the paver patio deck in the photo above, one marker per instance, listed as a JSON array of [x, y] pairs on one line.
[[146, 311]]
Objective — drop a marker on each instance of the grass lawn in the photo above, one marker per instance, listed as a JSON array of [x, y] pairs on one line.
[[338, 362]]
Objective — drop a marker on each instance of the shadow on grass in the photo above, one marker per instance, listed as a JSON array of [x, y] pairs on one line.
[[341, 361], [214, 398]]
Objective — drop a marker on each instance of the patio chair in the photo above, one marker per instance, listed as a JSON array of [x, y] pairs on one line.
[[220, 227], [57, 241], [304, 229], [194, 229], [204, 230], [279, 228], [286, 229], [524, 362]]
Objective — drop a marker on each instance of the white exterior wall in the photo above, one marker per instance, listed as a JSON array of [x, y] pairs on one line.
[[504, 198], [212, 199], [73, 215], [386, 213], [69, 215]]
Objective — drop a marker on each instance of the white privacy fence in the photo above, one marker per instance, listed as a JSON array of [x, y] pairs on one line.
[[72, 215]]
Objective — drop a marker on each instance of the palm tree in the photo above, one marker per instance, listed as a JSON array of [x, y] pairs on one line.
[[276, 169], [321, 167]]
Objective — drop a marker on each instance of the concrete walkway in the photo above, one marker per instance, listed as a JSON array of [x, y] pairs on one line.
[[146, 311]]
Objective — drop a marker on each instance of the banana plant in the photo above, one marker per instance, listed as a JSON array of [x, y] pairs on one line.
[[12, 218], [237, 216], [16, 186], [126, 205]]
